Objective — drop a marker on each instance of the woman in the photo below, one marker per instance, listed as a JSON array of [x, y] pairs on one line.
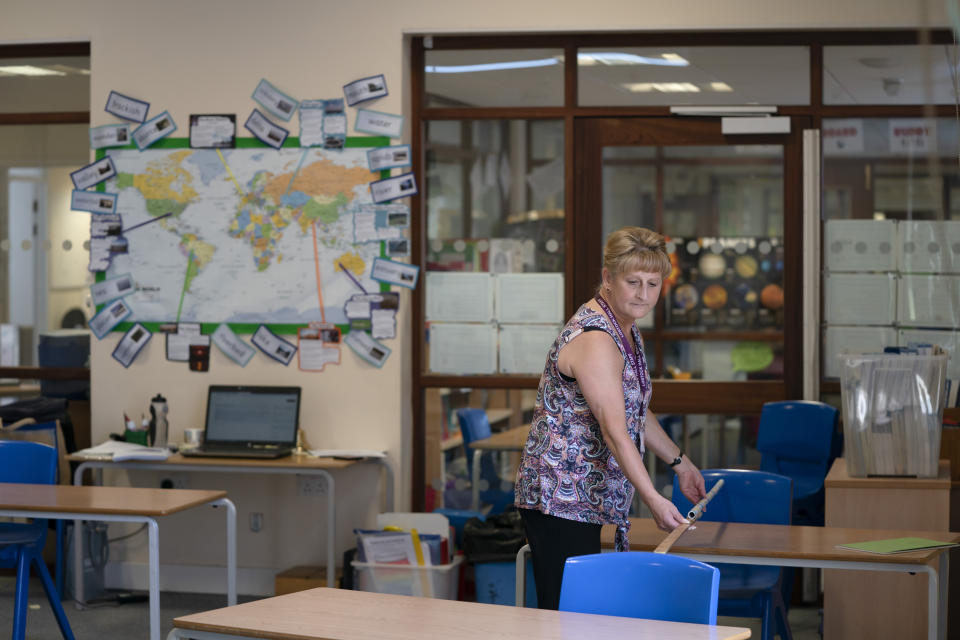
[[583, 457]]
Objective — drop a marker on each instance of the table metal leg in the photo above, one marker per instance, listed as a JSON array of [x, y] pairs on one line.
[[521, 579], [331, 528], [475, 480], [78, 597], [231, 515], [153, 553]]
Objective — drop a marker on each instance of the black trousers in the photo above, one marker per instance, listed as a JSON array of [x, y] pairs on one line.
[[553, 540]]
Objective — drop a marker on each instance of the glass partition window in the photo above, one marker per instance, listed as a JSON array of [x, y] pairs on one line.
[[890, 74], [38, 85], [448, 481], [891, 237], [495, 245], [494, 78], [648, 76], [721, 208]]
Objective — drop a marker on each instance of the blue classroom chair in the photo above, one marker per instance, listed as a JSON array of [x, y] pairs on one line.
[[37, 432], [641, 584], [800, 440], [474, 425], [21, 544], [759, 497]]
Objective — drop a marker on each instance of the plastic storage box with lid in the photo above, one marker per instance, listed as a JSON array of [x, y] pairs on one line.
[[892, 413]]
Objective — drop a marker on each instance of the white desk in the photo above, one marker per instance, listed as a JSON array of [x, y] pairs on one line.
[[338, 614], [121, 504], [295, 464]]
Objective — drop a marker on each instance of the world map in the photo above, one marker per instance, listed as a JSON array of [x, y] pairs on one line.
[[242, 235]]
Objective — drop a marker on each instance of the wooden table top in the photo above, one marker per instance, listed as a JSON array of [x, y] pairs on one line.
[[294, 461], [509, 440], [776, 541], [839, 477], [102, 500], [339, 614]]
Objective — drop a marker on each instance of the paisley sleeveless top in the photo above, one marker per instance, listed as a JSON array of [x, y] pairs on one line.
[[566, 469]]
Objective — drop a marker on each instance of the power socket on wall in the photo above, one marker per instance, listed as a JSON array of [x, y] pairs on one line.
[[309, 485]]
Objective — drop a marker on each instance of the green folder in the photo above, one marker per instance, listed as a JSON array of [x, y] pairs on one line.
[[897, 545]]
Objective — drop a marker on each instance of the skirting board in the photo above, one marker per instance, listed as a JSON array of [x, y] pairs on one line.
[[189, 578]]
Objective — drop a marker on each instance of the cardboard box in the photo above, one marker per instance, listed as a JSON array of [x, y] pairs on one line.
[[300, 579]]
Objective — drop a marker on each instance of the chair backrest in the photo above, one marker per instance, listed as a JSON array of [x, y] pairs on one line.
[[474, 425], [27, 462], [798, 439], [757, 497], [640, 584], [48, 432]]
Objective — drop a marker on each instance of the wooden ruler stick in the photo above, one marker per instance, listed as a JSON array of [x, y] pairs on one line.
[[692, 517]]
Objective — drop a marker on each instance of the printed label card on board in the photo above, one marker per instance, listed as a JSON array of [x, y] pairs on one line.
[[232, 346], [379, 123], [126, 107], [264, 130], [373, 223], [398, 273], [334, 124], [109, 135], [213, 131], [388, 189], [276, 102], [273, 345], [388, 157], [317, 346], [109, 317], [365, 89], [311, 123], [93, 174], [131, 344], [179, 342], [111, 289], [367, 348], [153, 129], [93, 201]]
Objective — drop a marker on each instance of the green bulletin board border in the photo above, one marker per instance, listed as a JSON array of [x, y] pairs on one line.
[[292, 142]]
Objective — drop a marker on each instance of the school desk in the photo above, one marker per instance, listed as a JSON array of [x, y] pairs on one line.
[[293, 464], [122, 504], [794, 546], [339, 614]]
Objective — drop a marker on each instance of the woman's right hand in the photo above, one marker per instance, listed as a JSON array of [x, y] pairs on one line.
[[665, 514]]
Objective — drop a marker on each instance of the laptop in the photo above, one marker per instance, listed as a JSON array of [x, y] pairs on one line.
[[249, 422]]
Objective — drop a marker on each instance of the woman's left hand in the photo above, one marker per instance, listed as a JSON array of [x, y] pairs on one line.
[[691, 481]]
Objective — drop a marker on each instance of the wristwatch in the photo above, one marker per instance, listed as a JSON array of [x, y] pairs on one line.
[[677, 460]]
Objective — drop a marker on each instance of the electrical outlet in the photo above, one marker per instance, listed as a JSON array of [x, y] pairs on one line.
[[175, 481], [311, 485], [256, 521]]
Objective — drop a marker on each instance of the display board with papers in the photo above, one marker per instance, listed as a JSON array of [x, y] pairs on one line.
[[249, 236]]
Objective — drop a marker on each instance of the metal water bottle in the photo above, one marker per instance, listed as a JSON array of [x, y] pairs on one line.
[[158, 421]]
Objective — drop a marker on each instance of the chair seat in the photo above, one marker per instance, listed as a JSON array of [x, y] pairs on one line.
[[742, 580], [21, 532]]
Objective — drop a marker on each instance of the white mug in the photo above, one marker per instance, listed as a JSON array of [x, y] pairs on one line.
[[192, 437]]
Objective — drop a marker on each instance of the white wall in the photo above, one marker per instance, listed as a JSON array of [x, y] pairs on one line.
[[206, 56]]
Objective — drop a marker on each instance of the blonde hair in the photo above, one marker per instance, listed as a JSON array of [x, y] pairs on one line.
[[636, 249]]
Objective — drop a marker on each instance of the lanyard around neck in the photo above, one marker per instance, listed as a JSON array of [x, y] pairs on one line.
[[632, 354]]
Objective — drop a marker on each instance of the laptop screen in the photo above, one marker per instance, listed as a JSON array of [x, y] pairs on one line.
[[263, 415]]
